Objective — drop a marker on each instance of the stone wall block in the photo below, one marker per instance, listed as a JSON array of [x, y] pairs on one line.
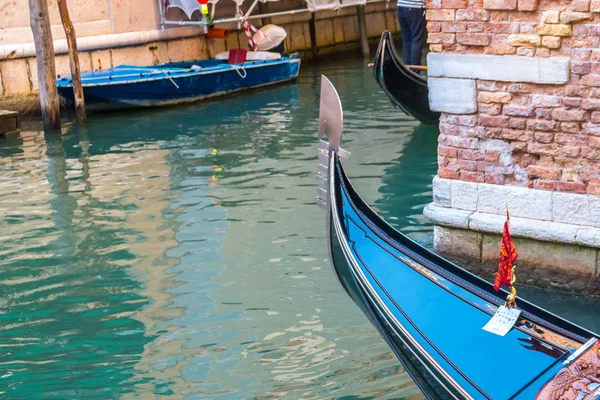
[[551, 42], [576, 208], [588, 237], [555, 30], [447, 216], [464, 195], [494, 97], [553, 70], [569, 17], [454, 96], [102, 59], [524, 40], [187, 49], [522, 202], [550, 17], [442, 192], [595, 6]]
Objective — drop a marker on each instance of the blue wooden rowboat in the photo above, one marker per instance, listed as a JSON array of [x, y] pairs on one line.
[[431, 312], [127, 86]]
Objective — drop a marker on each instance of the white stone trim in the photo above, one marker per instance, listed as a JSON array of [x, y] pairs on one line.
[[536, 214], [453, 96], [110, 41], [554, 70]]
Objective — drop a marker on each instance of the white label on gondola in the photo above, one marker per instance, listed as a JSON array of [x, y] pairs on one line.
[[503, 320]]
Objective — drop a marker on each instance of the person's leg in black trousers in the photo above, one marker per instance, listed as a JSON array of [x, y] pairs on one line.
[[413, 31]]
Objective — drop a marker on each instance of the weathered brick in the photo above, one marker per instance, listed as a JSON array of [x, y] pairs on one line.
[[543, 113], [569, 115], [551, 42], [498, 28], [454, 4], [544, 137], [593, 188], [472, 15], [494, 178], [435, 48], [590, 104], [571, 139], [571, 102], [590, 129], [446, 151], [576, 187], [576, 91], [469, 154], [448, 173], [434, 26], [524, 40], [540, 100], [517, 123], [526, 51], [441, 38], [581, 67], [440, 15], [570, 127], [594, 142], [517, 134], [461, 165], [569, 17], [470, 176], [521, 88], [544, 149], [473, 39], [543, 184], [544, 172], [571, 151], [465, 143], [542, 52], [500, 4], [596, 117], [453, 27], [581, 43], [580, 5], [555, 30], [527, 5], [475, 26], [489, 109], [541, 125], [494, 97], [492, 156], [595, 6], [518, 111], [501, 50], [493, 121], [491, 86]]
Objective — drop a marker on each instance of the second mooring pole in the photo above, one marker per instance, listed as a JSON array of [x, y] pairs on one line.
[[73, 61]]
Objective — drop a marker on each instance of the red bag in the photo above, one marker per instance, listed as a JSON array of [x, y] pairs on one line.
[[237, 56]]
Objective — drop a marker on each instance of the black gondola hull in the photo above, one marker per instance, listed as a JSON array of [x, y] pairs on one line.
[[405, 88]]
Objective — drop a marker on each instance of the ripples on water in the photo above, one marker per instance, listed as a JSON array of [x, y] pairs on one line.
[[180, 253]]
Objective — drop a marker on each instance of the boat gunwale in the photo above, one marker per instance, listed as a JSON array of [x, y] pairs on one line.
[[475, 284], [164, 76], [378, 303]]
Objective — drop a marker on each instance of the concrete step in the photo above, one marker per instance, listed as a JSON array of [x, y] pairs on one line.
[[9, 121]]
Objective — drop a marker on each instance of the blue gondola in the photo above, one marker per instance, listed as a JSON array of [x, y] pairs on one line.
[[431, 312], [127, 86]]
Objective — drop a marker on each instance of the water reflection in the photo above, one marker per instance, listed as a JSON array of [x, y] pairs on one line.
[[180, 253]]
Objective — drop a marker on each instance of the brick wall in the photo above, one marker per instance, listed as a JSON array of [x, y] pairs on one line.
[[539, 131]]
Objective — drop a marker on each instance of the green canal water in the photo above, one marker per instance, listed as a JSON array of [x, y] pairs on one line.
[[179, 252]]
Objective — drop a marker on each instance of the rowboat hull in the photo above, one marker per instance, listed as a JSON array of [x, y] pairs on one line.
[[405, 88], [431, 312], [130, 87]]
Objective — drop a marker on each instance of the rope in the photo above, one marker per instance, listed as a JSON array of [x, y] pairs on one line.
[[237, 69]]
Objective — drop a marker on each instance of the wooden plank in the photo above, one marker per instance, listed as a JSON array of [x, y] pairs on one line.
[[9, 121]]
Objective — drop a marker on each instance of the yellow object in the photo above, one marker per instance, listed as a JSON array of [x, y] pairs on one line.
[[204, 9]]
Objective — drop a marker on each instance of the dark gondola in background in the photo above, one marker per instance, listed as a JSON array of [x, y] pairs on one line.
[[431, 312], [405, 88]]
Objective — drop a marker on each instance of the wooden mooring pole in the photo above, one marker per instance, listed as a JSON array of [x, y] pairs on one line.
[[362, 29], [44, 54], [312, 29], [73, 61]]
